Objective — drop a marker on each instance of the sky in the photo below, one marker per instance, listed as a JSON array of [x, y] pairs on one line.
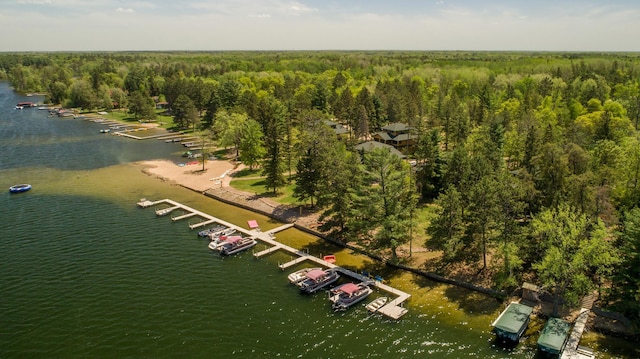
[[489, 25]]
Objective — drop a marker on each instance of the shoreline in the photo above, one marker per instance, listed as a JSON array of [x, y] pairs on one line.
[[214, 182]]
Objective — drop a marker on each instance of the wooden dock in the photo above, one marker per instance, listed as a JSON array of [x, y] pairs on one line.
[[572, 350], [393, 309]]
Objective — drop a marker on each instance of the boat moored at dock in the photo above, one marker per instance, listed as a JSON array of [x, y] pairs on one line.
[[300, 275], [349, 294], [317, 279], [236, 244], [207, 232], [377, 304]]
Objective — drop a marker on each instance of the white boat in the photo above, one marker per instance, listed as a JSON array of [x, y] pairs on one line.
[[218, 241], [225, 232], [317, 279], [236, 244], [20, 188], [300, 275], [349, 294], [377, 304]]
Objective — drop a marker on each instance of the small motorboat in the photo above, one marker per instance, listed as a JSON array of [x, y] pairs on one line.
[[20, 188], [216, 235], [208, 231], [377, 304], [300, 275], [105, 130]]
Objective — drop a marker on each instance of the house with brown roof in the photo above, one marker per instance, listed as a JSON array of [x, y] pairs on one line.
[[397, 135]]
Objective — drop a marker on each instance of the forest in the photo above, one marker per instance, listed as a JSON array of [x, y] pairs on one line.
[[528, 164]]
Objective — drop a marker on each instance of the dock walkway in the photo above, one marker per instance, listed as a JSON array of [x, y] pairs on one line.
[[393, 309], [572, 349]]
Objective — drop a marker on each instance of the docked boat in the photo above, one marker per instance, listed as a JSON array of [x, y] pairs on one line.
[[554, 336], [512, 322], [20, 188], [377, 304], [105, 130], [236, 244], [317, 279], [300, 275], [206, 232], [349, 294], [218, 241], [216, 235]]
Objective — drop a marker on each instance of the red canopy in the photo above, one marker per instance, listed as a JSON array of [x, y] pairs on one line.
[[253, 224], [315, 274], [349, 288], [232, 239]]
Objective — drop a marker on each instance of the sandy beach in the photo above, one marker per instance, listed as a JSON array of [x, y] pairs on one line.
[[191, 175]]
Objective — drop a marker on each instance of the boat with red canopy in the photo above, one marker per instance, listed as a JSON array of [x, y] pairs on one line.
[[235, 244], [317, 279], [349, 294]]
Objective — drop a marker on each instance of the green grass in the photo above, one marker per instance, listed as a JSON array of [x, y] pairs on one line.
[[242, 174], [257, 186]]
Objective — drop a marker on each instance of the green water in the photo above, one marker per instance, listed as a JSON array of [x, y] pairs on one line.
[[86, 273]]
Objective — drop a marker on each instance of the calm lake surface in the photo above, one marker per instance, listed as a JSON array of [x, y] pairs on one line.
[[86, 273]]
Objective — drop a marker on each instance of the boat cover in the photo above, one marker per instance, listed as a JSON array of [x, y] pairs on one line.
[[349, 288], [554, 335], [315, 274], [513, 318], [232, 239]]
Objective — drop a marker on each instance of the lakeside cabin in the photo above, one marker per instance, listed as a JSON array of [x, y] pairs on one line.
[[512, 322], [554, 336]]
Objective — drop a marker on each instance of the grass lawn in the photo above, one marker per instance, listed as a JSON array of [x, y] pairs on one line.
[[257, 186], [246, 173]]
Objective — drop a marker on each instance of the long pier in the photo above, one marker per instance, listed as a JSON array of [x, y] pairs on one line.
[[392, 309]]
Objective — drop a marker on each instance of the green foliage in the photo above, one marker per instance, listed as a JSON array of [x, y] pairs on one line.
[[573, 251], [384, 202], [501, 136], [313, 167], [627, 280], [251, 147], [273, 119]]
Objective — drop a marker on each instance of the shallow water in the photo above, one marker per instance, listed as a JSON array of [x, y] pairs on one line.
[[86, 273]]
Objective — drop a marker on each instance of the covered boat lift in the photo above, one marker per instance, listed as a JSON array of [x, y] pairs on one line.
[[512, 322], [554, 336]]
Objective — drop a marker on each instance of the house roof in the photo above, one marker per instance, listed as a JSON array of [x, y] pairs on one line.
[[397, 127], [383, 136], [371, 145], [404, 137], [331, 123]]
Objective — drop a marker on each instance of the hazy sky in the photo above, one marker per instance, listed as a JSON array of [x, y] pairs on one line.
[[561, 25]]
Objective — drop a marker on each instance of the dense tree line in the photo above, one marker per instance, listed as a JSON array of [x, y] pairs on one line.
[[531, 160]]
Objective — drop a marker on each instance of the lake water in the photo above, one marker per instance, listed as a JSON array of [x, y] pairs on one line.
[[86, 273]]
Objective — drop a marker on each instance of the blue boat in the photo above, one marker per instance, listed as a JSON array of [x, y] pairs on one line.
[[20, 188]]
